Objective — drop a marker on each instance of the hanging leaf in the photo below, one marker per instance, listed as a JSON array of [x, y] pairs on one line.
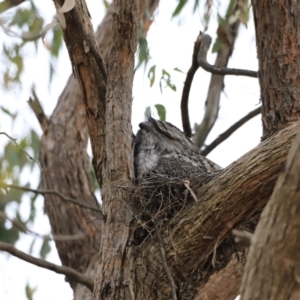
[[179, 7], [29, 292], [45, 249], [217, 46], [161, 110], [151, 75]]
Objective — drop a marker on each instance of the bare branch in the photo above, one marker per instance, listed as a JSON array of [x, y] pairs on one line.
[[186, 125], [59, 237], [28, 155], [165, 265], [53, 192], [202, 60], [38, 111], [71, 273], [225, 135], [216, 84]]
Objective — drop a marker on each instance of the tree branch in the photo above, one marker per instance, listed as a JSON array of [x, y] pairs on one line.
[[56, 237], [202, 60], [274, 252], [226, 134], [216, 85], [53, 192], [71, 273], [186, 125], [38, 111], [28, 155]]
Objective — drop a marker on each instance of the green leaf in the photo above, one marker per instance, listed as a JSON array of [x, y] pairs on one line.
[[230, 8], [151, 75], [8, 235], [29, 292], [6, 111], [221, 21], [161, 110], [217, 46], [31, 246], [178, 70], [143, 51], [179, 7], [45, 249], [57, 41]]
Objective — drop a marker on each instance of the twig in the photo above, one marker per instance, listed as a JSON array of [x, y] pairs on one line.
[[187, 185], [202, 60], [186, 125], [28, 155], [165, 265], [69, 272], [242, 237], [20, 226], [53, 192], [38, 110], [222, 137]]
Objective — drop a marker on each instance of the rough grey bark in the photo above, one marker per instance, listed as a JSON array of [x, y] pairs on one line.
[[272, 269]]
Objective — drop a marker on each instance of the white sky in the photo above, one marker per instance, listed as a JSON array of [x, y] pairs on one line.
[[171, 45]]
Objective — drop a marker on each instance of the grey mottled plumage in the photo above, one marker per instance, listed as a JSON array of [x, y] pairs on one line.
[[162, 148]]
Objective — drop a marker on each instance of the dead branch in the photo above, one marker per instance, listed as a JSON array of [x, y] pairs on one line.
[[53, 192], [226, 134], [71, 273], [37, 108], [202, 60], [186, 125]]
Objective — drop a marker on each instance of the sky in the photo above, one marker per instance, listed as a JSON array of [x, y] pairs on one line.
[[171, 45]]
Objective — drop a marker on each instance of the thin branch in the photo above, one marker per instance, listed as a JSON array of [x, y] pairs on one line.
[[69, 272], [28, 155], [165, 265], [222, 137], [23, 228], [202, 60], [53, 192], [37, 108], [186, 125]]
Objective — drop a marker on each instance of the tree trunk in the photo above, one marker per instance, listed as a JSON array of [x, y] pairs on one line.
[[273, 268], [277, 26], [66, 169]]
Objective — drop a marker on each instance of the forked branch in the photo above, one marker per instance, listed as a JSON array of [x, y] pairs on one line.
[[202, 60]]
